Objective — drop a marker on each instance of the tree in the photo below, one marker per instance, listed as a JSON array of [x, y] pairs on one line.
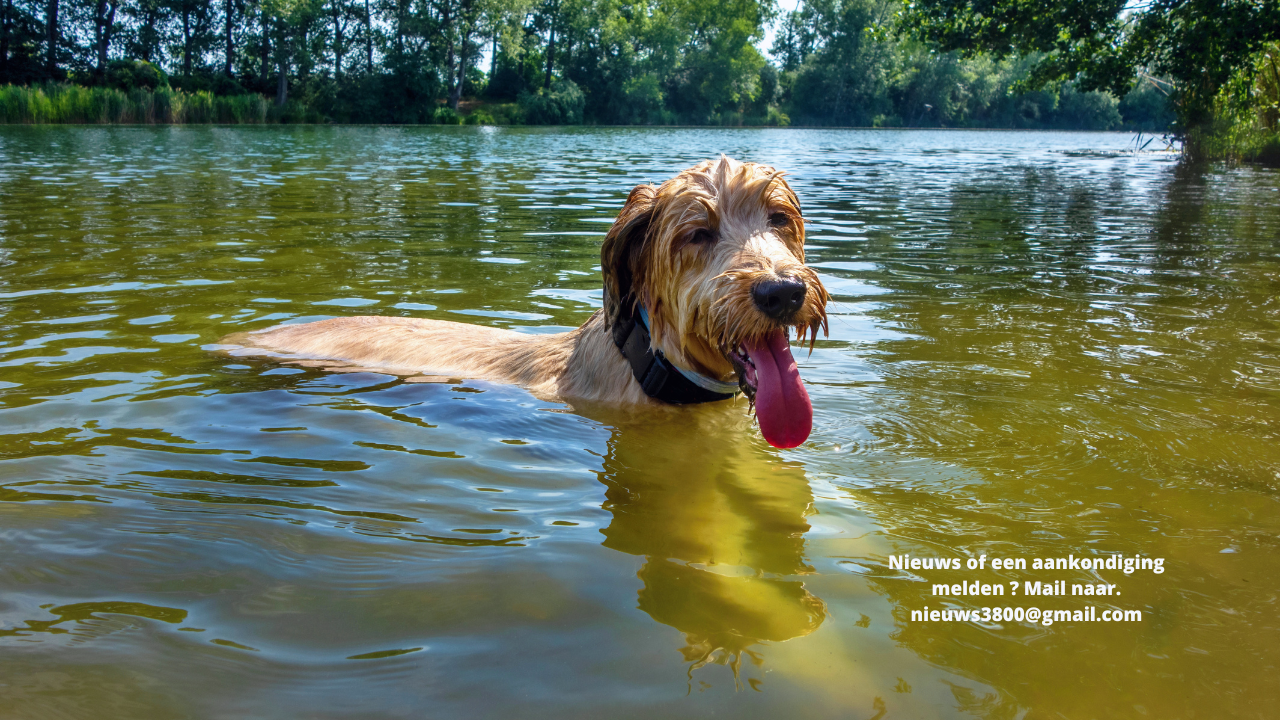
[[228, 17], [341, 14], [369, 34], [53, 37], [148, 19], [1108, 44], [21, 41], [196, 25], [104, 27], [551, 13], [286, 23], [721, 67], [841, 67]]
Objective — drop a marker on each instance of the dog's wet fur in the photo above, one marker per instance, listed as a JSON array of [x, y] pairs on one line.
[[695, 252]]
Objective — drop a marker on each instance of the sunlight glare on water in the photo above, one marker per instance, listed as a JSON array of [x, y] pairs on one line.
[[1040, 346]]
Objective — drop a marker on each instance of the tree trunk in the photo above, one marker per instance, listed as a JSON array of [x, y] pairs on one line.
[[104, 20], [400, 27], [455, 93], [337, 42], [266, 50], [551, 54], [51, 31], [99, 15], [148, 32], [108, 31], [368, 36], [304, 68], [449, 57], [5, 25], [186, 41], [282, 84], [230, 11]]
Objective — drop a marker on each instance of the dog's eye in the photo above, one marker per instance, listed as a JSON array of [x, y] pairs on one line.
[[703, 236], [779, 219]]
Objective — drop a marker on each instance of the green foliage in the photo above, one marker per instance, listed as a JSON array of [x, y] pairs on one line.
[[562, 104], [496, 114], [205, 81], [1087, 110], [1108, 44], [446, 116], [841, 71], [1247, 113], [55, 103], [132, 74], [720, 69], [1147, 107], [842, 68]]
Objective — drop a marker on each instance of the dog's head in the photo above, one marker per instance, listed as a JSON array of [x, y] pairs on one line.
[[716, 256]]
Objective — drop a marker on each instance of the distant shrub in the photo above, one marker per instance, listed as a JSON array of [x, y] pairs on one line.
[[1147, 108], [1087, 110], [730, 118], [642, 101], [132, 74], [223, 85], [504, 114], [1268, 152], [446, 116], [561, 105]]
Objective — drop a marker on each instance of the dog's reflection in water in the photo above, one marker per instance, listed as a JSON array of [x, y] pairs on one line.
[[720, 519]]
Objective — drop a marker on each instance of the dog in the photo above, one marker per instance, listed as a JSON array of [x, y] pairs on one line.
[[704, 278]]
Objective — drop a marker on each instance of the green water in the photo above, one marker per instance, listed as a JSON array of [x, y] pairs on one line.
[[1037, 350]]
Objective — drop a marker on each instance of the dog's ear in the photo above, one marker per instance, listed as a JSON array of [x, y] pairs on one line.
[[622, 248]]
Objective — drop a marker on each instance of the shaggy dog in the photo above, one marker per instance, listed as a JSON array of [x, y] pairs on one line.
[[704, 277]]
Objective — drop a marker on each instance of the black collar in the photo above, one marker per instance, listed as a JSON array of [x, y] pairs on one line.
[[658, 378]]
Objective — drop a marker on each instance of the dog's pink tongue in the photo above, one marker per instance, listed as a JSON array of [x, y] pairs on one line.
[[782, 405]]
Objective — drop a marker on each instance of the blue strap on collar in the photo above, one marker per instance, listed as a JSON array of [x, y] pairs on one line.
[[658, 377], [702, 381]]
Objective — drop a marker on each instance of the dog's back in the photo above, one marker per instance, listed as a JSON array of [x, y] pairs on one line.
[[413, 345], [581, 363]]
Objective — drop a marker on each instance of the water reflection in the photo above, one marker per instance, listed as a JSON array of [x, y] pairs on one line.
[[720, 521], [85, 617]]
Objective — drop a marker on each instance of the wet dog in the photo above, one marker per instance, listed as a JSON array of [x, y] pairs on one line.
[[704, 278]]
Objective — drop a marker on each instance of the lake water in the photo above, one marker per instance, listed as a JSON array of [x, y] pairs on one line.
[[1039, 348]]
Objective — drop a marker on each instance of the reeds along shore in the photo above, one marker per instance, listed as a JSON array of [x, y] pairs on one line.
[[1247, 114], [56, 103]]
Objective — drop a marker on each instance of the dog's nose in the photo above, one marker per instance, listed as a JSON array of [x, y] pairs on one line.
[[779, 298]]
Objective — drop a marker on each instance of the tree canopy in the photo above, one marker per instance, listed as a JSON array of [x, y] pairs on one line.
[[1197, 45]]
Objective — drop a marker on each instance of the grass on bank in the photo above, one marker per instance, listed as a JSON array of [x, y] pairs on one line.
[[61, 103], [57, 103], [1243, 142]]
